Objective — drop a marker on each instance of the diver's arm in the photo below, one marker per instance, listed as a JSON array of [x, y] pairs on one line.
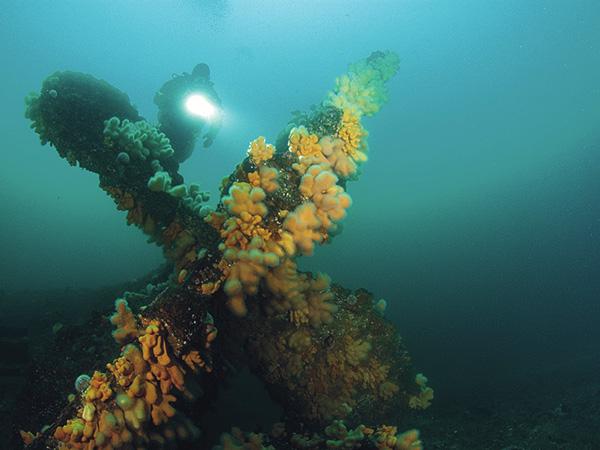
[[212, 131]]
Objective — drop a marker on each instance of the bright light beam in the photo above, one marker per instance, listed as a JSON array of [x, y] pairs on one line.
[[200, 106]]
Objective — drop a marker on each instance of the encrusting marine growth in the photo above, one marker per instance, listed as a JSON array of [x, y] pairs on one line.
[[325, 353]]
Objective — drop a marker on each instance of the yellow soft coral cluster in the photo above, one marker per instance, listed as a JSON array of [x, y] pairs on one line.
[[98, 424], [334, 151], [287, 286], [254, 250], [425, 396], [319, 186], [137, 389], [304, 227], [357, 351], [164, 374], [259, 151], [125, 322], [246, 202], [246, 210], [339, 436], [359, 92], [247, 247], [307, 300], [319, 307], [128, 367], [303, 143], [383, 438], [342, 152], [325, 205], [265, 178], [248, 267], [386, 437], [353, 136], [362, 89]]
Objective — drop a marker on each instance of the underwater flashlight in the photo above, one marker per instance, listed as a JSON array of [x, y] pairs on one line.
[[199, 105]]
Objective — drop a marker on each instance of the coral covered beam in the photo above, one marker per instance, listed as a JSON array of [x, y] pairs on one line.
[[325, 353]]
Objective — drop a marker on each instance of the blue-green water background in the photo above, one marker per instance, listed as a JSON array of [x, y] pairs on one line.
[[477, 217]]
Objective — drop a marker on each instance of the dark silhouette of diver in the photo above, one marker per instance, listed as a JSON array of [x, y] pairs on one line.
[[182, 128]]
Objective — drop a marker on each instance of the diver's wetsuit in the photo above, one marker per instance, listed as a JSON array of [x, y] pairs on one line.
[[180, 127]]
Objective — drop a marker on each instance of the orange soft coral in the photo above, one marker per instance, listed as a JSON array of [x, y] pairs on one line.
[[319, 185], [265, 178], [125, 321], [259, 151], [304, 227]]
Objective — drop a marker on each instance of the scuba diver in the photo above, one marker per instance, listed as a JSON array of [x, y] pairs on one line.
[[183, 127]]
